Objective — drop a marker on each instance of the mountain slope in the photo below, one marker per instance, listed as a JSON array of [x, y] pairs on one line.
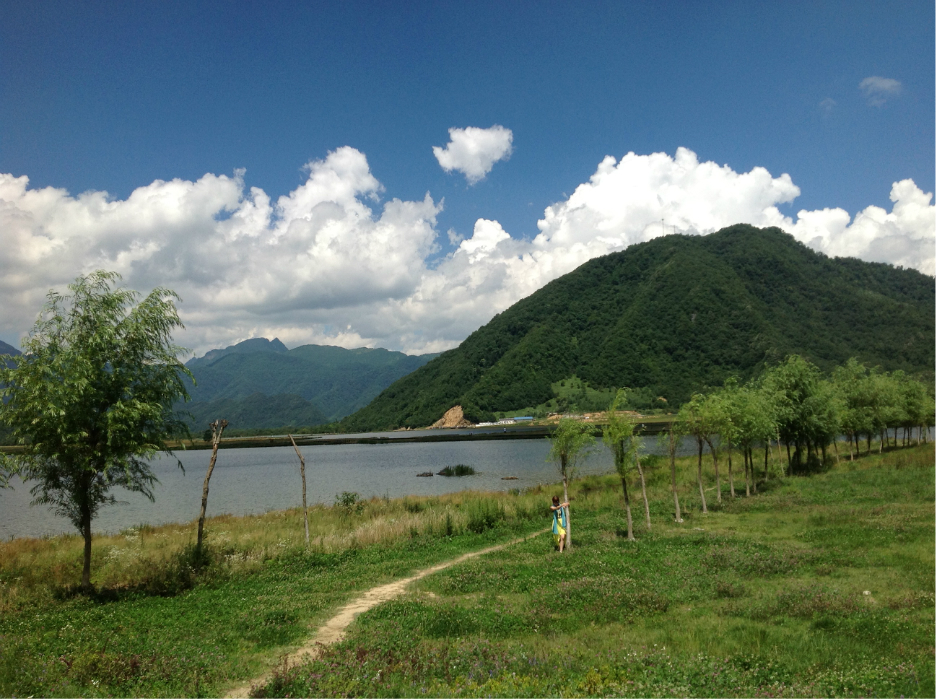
[[256, 411], [674, 315], [8, 349], [332, 382]]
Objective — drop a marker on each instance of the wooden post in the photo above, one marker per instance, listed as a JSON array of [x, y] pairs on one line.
[[305, 510], [672, 458], [643, 490], [217, 427]]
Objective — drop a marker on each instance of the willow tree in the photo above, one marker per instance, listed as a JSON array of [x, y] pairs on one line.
[[850, 381], [90, 399], [619, 436], [572, 441], [696, 420], [794, 391]]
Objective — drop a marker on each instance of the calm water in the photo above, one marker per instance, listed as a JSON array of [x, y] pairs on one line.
[[250, 481]]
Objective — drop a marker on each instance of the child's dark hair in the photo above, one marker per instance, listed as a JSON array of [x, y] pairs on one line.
[[555, 499]]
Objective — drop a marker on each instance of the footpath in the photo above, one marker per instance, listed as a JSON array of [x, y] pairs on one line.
[[334, 629]]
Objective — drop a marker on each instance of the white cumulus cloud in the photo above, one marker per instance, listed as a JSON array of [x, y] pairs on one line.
[[878, 90], [330, 264], [473, 151]]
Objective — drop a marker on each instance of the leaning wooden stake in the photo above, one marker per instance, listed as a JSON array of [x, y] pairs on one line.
[[672, 456], [217, 427], [305, 510], [643, 489]]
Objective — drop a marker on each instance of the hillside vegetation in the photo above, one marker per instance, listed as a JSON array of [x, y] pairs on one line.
[[259, 383], [671, 317]]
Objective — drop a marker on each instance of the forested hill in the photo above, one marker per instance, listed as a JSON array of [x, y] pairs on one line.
[[8, 349], [674, 315], [267, 385]]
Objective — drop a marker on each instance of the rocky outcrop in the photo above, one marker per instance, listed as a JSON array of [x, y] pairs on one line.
[[453, 418]]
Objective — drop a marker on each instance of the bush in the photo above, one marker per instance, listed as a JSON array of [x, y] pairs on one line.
[[459, 470], [349, 502], [483, 515]]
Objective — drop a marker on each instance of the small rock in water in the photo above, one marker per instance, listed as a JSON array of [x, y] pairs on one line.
[[427, 474], [508, 478]]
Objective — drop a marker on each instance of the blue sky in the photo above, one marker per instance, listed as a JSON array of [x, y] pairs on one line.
[[110, 97]]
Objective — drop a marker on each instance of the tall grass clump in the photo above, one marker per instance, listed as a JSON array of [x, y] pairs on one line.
[[457, 470]]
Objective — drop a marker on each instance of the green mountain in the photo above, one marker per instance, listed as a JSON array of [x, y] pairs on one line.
[[671, 316], [257, 411], [8, 349], [251, 346], [261, 381]]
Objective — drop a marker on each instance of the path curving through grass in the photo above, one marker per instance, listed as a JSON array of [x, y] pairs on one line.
[[334, 629]]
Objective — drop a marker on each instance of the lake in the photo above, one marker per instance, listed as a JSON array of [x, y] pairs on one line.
[[251, 481]]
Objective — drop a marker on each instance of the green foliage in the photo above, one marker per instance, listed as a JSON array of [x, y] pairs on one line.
[[457, 470], [618, 435], [671, 317], [257, 412], [571, 442], [484, 515], [349, 501], [91, 397]]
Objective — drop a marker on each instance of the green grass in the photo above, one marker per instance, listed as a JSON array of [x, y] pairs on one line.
[[764, 595], [157, 626], [818, 586]]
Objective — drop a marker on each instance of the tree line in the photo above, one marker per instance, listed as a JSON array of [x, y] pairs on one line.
[[789, 408]]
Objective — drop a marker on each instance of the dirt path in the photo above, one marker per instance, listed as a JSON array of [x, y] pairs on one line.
[[334, 629]]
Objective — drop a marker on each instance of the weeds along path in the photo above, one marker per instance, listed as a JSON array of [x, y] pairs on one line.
[[333, 630]]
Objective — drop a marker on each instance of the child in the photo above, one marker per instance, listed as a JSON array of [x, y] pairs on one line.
[[559, 521]]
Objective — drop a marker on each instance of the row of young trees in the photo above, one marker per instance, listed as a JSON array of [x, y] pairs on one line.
[[789, 408]]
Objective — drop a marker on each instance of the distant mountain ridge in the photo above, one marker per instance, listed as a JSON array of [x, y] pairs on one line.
[[265, 384], [8, 349], [671, 316], [255, 344]]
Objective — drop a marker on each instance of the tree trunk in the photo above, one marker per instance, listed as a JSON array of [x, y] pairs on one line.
[[779, 453], [766, 454], [630, 523], [568, 518], [747, 477], [217, 427], [753, 472], [86, 533], [851, 455], [699, 478], [789, 460], [305, 510], [717, 477], [643, 490], [881, 445], [869, 444], [835, 447], [672, 455], [730, 474]]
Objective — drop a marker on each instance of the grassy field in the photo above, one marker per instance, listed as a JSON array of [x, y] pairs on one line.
[[819, 585]]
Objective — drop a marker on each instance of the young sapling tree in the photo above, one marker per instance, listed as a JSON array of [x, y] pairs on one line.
[[90, 399], [572, 442]]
